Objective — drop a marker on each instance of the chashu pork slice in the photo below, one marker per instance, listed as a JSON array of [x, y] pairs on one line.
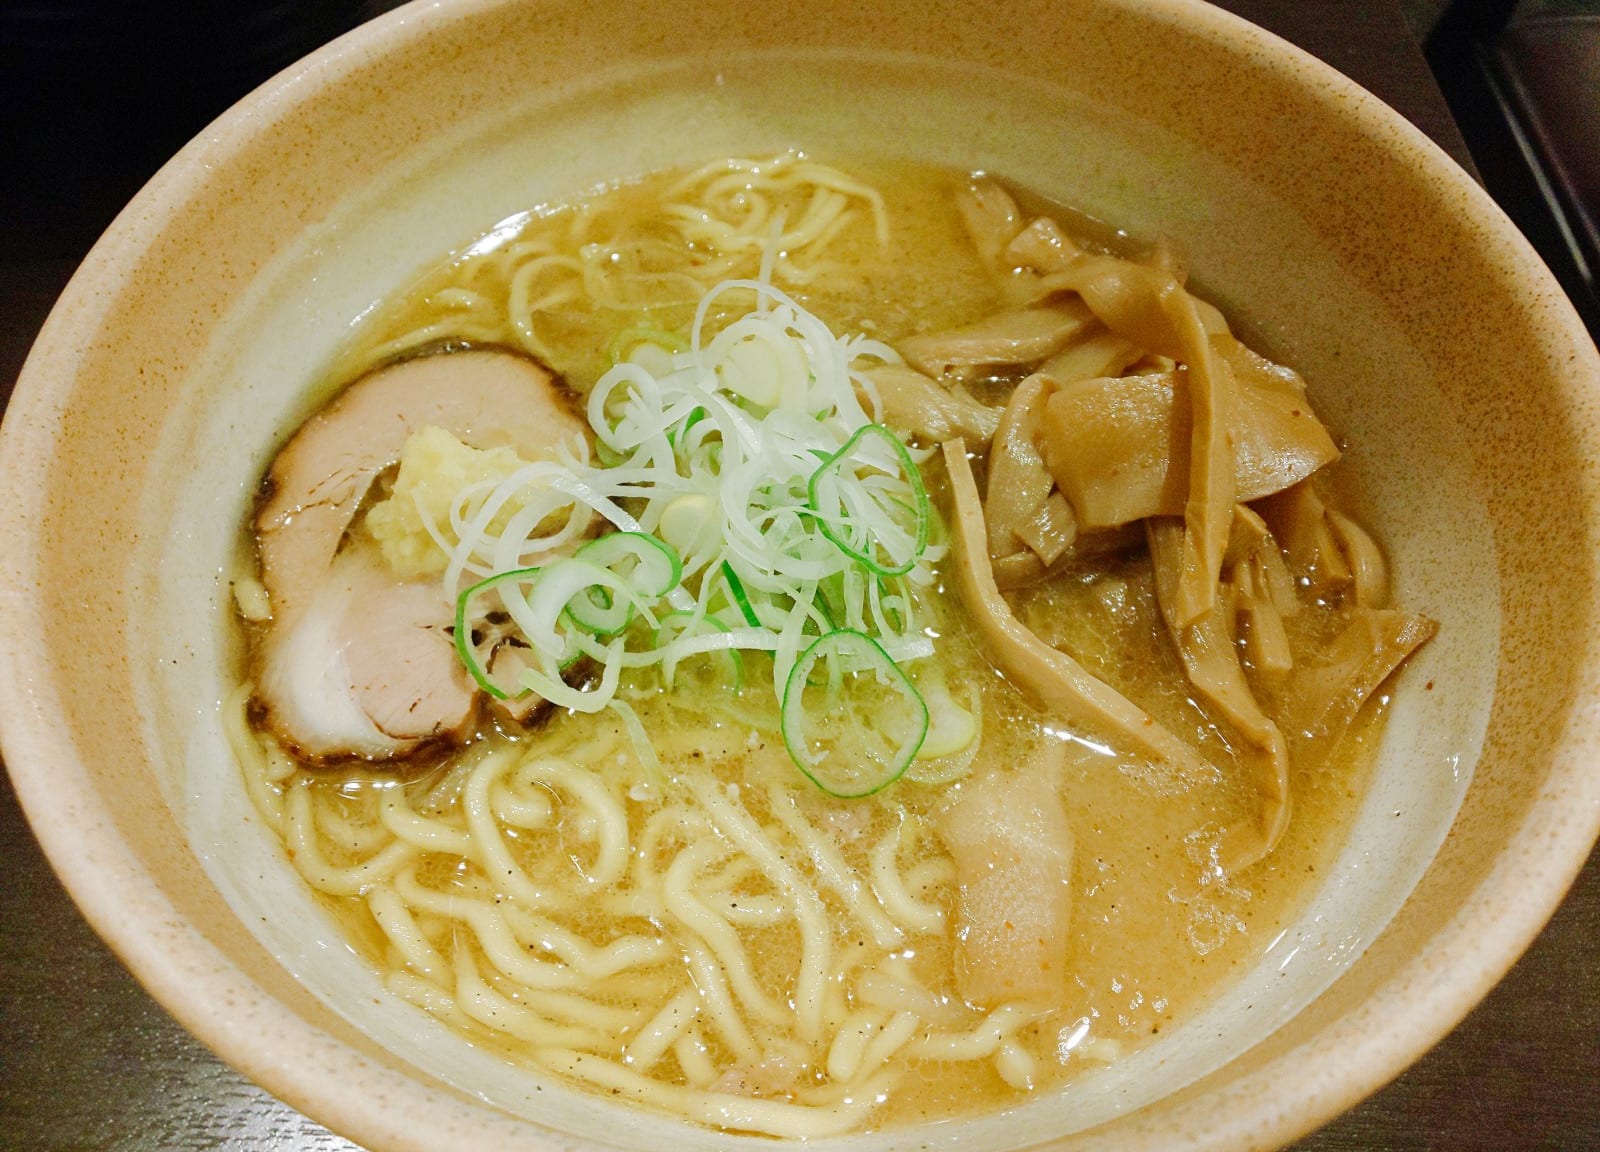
[[358, 662], [317, 482], [367, 667]]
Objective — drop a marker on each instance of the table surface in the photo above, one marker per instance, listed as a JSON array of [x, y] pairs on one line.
[[89, 1062]]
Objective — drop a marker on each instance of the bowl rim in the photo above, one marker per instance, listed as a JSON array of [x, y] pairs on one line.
[[308, 1067]]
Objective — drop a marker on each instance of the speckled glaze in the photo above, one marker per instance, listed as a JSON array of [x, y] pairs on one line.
[[1505, 416]]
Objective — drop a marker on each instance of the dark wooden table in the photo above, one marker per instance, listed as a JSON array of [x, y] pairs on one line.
[[89, 1062]]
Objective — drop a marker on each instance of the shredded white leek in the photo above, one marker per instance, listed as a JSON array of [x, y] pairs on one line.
[[747, 456]]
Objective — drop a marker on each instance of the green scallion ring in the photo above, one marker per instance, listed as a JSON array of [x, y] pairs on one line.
[[920, 511], [463, 634], [856, 729]]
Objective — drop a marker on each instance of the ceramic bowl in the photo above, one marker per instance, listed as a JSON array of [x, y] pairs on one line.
[[1430, 332]]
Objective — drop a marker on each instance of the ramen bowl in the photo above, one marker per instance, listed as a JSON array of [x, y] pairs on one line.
[[187, 342]]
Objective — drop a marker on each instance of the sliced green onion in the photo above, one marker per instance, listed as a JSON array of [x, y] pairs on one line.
[[590, 596], [677, 625], [563, 695], [832, 602], [690, 523], [648, 568], [951, 728], [465, 649], [955, 734], [624, 343], [746, 487], [864, 521], [851, 718], [740, 599], [651, 567], [642, 748], [599, 610]]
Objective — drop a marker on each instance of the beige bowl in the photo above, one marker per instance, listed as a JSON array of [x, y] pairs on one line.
[[1431, 334]]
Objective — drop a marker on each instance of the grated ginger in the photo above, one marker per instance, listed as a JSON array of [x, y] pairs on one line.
[[436, 471]]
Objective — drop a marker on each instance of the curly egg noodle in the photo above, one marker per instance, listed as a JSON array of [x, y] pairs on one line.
[[710, 881], [652, 883], [554, 281]]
